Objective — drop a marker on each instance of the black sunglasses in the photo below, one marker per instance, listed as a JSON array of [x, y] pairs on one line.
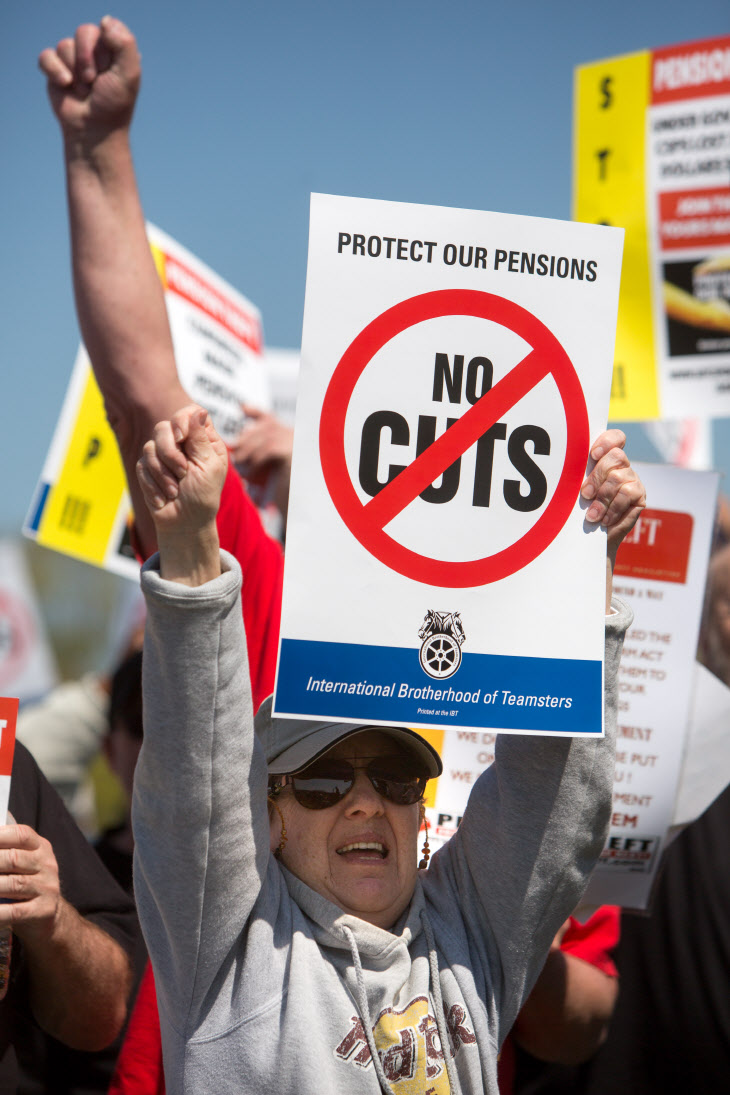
[[398, 779]]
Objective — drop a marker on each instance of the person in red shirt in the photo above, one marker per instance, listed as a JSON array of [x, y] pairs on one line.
[[566, 1017]]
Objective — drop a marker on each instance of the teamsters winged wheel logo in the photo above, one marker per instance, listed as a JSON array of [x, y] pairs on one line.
[[443, 634]]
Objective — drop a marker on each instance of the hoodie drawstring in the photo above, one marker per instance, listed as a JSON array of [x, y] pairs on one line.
[[433, 965], [362, 1003]]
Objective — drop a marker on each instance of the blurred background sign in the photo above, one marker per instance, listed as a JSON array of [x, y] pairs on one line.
[[652, 155], [671, 760], [81, 506], [27, 665]]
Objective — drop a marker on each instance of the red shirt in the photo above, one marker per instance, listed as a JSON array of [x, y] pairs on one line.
[[593, 943], [262, 563]]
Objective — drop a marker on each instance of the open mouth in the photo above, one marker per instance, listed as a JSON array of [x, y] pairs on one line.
[[364, 849]]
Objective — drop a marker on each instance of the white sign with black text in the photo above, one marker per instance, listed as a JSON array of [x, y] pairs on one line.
[[455, 367]]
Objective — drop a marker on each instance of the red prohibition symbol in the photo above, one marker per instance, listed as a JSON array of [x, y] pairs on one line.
[[367, 521]]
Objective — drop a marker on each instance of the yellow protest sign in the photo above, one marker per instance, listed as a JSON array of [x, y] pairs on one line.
[[83, 508]]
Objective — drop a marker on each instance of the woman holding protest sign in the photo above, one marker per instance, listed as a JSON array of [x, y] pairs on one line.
[[296, 946]]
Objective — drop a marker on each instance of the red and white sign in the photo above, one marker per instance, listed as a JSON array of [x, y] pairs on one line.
[[8, 723], [217, 333], [688, 199]]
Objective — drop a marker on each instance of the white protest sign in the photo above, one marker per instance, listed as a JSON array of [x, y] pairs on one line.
[[27, 664], [706, 768], [81, 506], [217, 334], [455, 367], [661, 572], [686, 442], [282, 370]]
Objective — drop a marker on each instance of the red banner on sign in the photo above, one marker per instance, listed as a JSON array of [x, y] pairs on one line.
[[8, 720], [190, 286], [657, 547], [695, 69], [694, 218]]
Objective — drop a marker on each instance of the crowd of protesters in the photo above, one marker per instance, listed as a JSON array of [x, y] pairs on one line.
[[295, 943]]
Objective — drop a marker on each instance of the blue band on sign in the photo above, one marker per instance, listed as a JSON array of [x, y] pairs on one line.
[[39, 504], [490, 691]]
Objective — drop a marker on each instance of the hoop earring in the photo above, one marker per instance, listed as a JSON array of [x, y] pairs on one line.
[[283, 838], [426, 853]]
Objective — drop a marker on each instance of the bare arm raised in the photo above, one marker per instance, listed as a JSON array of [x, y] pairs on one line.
[[93, 80]]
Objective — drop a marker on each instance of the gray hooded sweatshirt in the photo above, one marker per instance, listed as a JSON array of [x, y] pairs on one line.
[[264, 986]]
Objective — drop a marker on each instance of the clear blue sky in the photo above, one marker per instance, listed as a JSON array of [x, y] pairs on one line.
[[247, 107]]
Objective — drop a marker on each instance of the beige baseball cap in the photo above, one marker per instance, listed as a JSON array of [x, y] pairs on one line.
[[292, 744]]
